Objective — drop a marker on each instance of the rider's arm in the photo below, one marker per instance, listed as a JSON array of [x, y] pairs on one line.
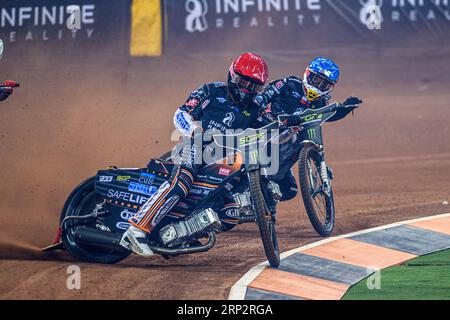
[[191, 111], [276, 89], [340, 114], [343, 112], [267, 117]]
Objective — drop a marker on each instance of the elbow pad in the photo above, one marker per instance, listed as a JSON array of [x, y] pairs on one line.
[[184, 123]]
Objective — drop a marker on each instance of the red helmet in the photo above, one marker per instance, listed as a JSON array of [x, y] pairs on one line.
[[247, 76]]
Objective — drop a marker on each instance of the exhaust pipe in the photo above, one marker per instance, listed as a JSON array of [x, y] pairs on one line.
[[176, 252], [108, 240], [98, 238]]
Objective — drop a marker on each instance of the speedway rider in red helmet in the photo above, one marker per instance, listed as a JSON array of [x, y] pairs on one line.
[[214, 106]]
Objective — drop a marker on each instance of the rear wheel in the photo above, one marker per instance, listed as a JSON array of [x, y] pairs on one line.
[[82, 201], [319, 204], [264, 220]]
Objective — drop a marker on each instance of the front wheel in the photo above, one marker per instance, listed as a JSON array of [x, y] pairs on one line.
[[264, 220], [319, 204]]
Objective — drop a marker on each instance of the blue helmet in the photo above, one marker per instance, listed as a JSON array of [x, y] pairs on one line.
[[320, 78]]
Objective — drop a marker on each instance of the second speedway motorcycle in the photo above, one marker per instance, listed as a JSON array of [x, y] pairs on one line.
[[96, 213]]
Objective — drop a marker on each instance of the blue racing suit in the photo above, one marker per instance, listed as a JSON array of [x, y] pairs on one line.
[[287, 96]]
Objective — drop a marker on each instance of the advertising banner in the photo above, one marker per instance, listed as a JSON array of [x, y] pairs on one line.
[[211, 25], [75, 27], [144, 28]]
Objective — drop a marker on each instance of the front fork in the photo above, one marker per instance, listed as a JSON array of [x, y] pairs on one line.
[[271, 193], [326, 174]]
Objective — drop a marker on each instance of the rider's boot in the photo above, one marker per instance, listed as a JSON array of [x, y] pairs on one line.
[[134, 239]]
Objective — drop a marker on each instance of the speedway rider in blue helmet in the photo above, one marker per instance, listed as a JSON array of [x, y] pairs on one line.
[[293, 95]]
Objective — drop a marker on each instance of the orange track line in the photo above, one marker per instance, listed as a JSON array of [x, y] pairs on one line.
[[298, 286], [359, 253], [441, 225]]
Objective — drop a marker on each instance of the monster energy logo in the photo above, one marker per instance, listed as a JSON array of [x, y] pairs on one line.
[[311, 134]]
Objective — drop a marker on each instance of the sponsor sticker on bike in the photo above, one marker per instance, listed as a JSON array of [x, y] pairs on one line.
[[122, 225], [142, 188], [102, 227], [232, 213], [224, 171], [146, 178], [127, 214], [123, 178], [105, 178], [126, 196]]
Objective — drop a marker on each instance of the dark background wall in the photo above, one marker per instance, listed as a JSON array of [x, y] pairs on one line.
[[214, 26], [301, 24]]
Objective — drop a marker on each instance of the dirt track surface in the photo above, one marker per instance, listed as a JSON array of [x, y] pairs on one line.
[[391, 163]]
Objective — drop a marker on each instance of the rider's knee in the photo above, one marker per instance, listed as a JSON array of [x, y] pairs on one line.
[[288, 187]]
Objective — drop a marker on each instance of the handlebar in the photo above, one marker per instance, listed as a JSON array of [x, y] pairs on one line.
[[310, 115]]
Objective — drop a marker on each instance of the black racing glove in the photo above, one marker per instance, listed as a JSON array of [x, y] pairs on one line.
[[352, 101], [260, 101], [283, 128], [287, 121]]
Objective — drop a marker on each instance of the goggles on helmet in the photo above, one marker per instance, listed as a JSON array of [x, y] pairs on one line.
[[320, 82], [247, 85]]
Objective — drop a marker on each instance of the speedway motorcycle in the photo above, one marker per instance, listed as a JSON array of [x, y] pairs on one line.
[[314, 174], [96, 213]]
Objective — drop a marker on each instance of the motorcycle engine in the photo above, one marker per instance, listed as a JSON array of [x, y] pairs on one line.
[[195, 226], [244, 201]]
